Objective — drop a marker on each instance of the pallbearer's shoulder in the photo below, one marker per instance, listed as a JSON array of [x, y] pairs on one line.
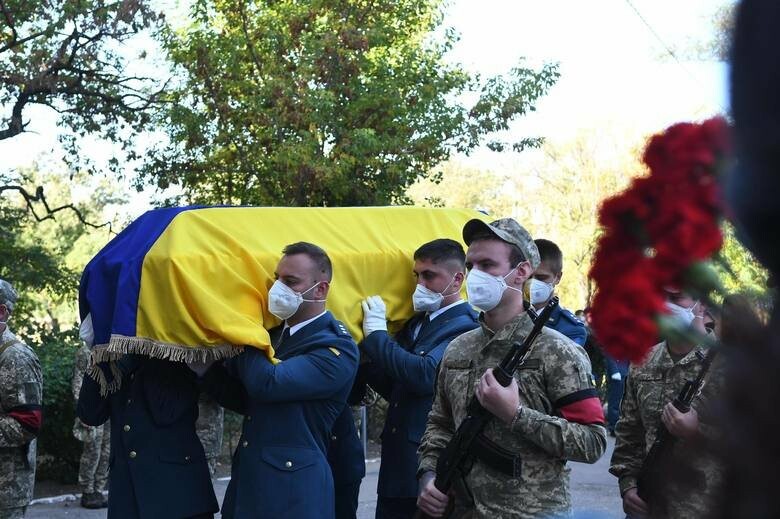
[[465, 344]]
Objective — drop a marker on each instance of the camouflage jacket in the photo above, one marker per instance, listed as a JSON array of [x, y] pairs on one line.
[[81, 431], [80, 366], [648, 389], [553, 383], [21, 388]]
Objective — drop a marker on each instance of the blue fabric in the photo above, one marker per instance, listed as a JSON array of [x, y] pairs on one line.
[[116, 271], [347, 500], [403, 370], [153, 415], [280, 467], [615, 389], [395, 507], [345, 451], [564, 322]]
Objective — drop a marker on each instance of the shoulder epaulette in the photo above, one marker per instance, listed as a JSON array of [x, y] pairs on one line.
[[340, 329]]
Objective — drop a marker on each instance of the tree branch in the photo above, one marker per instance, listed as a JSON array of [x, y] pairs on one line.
[[40, 197]]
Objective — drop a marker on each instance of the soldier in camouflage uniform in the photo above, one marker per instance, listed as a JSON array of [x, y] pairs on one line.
[[549, 414], [21, 393], [649, 390], [209, 428], [93, 465]]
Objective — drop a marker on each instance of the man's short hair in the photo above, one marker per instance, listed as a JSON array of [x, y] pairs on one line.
[[516, 256], [551, 254], [441, 250], [8, 295], [315, 253]]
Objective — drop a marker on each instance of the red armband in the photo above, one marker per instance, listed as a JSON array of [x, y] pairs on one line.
[[582, 407], [29, 416]]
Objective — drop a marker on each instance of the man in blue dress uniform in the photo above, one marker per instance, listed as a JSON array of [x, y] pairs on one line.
[[157, 464], [280, 467], [542, 287], [347, 462], [403, 368]]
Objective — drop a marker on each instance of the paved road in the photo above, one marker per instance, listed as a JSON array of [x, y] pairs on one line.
[[594, 494]]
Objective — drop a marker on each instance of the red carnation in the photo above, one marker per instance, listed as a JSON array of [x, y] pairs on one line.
[[653, 232]]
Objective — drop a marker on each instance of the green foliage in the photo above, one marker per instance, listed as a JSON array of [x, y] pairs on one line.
[[43, 260], [68, 56], [741, 272], [58, 450], [329, 102], [555, 193]]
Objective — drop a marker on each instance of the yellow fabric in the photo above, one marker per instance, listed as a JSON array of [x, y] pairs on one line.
[[205, 281]]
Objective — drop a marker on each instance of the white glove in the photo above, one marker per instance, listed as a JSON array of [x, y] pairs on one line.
[[374, 315], [86, 332], [200, 368], [616, 376]]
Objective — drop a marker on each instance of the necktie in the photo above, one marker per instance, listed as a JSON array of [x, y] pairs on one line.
[[424, 322], [285, 335]]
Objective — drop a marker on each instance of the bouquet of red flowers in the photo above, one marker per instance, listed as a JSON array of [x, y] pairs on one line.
[[658, 233]]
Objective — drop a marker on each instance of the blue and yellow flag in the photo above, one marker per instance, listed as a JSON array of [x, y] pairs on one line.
[[191, 283]]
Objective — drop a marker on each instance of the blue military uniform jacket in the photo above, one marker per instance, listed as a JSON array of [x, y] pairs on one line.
[[403, 370], [564, 322], [345, 451], [157, 465], [280, 467]]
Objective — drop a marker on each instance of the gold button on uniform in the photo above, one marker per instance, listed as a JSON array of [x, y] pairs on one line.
[[245, 444], [288, 464], [392, 430], [249, 418], [186, 458], [333, 437], [126, 428], [133, 454]]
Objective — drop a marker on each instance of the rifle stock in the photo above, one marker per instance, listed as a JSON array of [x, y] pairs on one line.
[[457, 459]]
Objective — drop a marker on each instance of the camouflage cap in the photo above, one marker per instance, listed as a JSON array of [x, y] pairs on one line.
[[8, 295], [508, 230]]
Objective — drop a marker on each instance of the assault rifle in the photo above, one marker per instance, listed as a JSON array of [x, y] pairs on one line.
[[655, 467], [458, 457]]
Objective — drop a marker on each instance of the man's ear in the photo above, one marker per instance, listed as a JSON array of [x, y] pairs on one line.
[[524, 271], [558, 278], [322, 289], [458, 279]]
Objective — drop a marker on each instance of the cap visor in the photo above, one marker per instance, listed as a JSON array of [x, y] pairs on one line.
[[473, 227]]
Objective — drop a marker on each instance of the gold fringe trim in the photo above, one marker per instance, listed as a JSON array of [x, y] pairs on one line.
[[120, 345]]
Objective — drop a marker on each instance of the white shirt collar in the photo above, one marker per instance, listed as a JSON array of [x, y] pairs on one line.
[[437, 313], [298, 326]]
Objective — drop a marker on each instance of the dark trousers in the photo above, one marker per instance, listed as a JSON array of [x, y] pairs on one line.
[[615, 390], [347, 501], [395, 507]]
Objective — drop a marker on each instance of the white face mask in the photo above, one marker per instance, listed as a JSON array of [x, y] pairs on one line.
[[283, 301], [485, 291], [426, 300], [539, 291], [683, 315]]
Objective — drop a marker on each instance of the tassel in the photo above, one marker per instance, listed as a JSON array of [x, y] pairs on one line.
[[120, 345]]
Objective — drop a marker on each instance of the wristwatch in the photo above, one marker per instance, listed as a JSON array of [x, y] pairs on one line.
[[517, 416]]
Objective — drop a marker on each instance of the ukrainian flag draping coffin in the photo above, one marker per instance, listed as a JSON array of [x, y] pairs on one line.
[[191, 283]]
